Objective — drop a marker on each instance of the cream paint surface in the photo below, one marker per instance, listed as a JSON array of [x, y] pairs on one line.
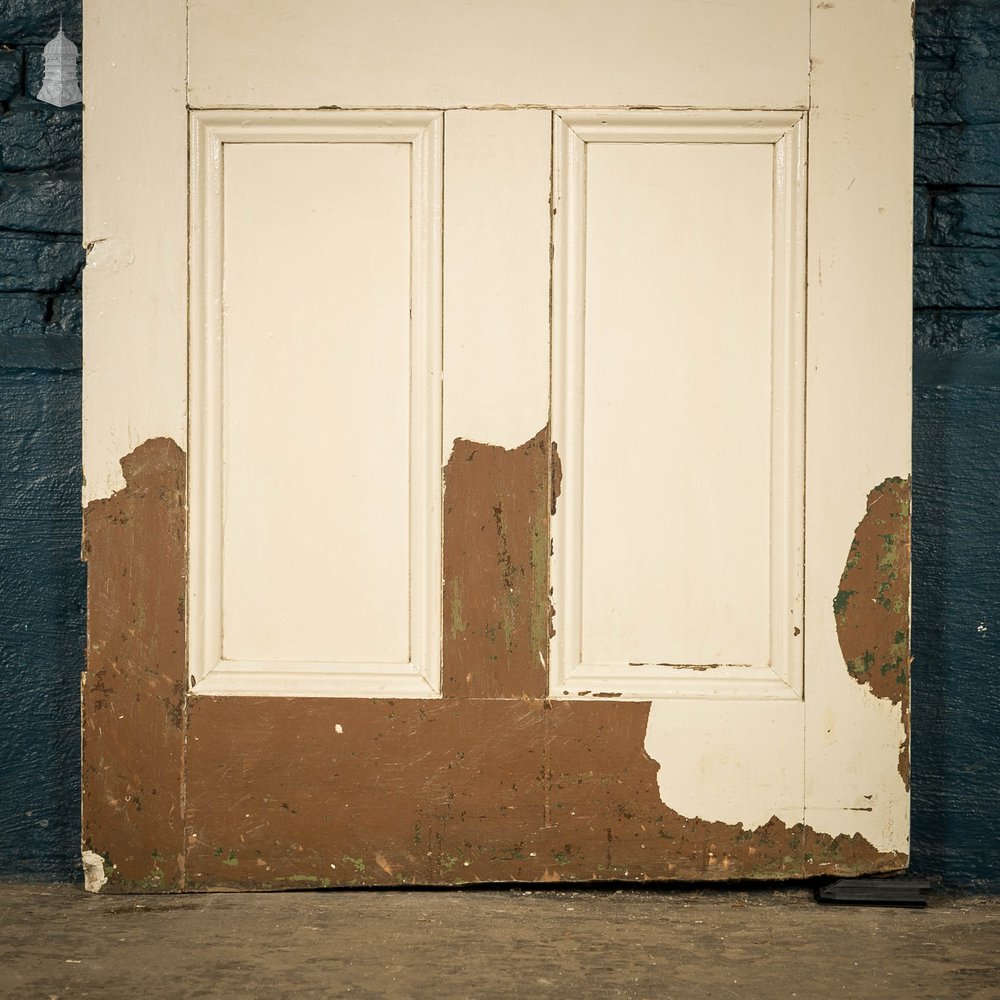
[[655, 565], [743, 763], [315, 530], [859, 379], [853, 779], [453, 53], [134, 225], [858, 435], [316, 456], [496, 276], [676, 404], [94, 878], [729, 761]]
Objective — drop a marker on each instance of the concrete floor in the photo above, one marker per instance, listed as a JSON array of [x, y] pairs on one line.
[[58, 941]]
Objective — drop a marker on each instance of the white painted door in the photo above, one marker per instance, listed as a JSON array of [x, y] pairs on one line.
[[515, 398]]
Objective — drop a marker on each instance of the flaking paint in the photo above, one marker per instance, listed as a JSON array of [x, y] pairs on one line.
[[492, 782], [461, 790], [872, 605], [496, 569], [134, 688]]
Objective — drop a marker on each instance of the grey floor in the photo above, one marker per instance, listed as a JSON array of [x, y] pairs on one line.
[[58, 941]]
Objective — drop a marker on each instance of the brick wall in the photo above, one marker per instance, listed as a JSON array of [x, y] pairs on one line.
[[41, 578], [957, 174], [956, 441]]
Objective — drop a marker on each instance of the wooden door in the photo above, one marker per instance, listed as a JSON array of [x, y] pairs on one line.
[[496, 441]]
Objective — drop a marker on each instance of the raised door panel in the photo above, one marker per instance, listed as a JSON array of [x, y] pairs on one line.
[[315, 405], [678, 404]]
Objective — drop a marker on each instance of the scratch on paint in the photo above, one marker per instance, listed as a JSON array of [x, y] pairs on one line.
[[682, 666]]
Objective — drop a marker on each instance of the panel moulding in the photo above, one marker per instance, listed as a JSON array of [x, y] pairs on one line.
[[781, 677], [210, 673]]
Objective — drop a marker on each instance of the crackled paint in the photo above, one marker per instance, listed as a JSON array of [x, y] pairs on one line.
[[872, 606]]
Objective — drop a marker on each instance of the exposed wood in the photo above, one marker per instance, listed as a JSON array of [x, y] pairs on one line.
[[458, 791], [284, 792]]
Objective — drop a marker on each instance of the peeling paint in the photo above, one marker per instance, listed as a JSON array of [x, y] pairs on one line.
[[133, 695], [872, 604], [556, 480], [492, 782], [94, 879], [496, 569], [700, 667], [110, 253], [500, 790]]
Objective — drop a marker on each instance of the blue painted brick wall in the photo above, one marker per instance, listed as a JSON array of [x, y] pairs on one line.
[[41, 577], [956, 678], [956, 443]]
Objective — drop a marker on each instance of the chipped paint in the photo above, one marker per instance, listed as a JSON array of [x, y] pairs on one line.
[[492, 782], [853, 760], [94, 879], [499, 790], [111, 253], [133, 691], [711, 770], [496, 569], [872, 604]]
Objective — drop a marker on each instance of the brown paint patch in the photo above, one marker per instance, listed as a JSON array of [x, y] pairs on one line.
[[496, 540], [286, 793], [133, 693], [872, 606], [456, 791]]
